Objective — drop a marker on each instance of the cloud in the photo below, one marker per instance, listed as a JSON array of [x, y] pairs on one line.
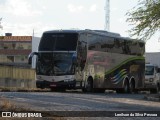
[[93, 8], [79, 8], [122, 20], [19, 8], [75, 9]]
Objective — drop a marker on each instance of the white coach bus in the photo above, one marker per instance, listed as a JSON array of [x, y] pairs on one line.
[[91, 60]]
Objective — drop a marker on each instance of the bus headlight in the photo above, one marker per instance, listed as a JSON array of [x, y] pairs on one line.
[[150, 79], [66, 80]]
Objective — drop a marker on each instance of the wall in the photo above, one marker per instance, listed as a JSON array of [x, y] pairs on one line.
[[19, 77]]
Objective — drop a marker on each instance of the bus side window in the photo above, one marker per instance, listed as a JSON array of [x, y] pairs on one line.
[[125, 48]]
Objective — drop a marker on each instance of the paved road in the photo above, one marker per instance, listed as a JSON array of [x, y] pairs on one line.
[[72, 101], [79, 101]]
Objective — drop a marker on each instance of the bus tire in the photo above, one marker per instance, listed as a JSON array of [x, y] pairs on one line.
[[126, 88], [132, 86], [89, 85]]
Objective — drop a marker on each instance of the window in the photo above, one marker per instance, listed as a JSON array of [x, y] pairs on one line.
[[58, 41]]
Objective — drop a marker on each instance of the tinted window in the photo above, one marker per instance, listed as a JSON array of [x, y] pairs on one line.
[[55, 63], [58, 41], [149, 70], [115, 45]]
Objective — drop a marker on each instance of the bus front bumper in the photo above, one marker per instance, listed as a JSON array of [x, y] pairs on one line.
[[42, 84], [62, 84]]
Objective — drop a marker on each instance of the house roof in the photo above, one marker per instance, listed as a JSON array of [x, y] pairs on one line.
[[16, 38]]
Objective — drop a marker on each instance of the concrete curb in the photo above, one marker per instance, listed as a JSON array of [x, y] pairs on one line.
[[22, 90], [152, 98]]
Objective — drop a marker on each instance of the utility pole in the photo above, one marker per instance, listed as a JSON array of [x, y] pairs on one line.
[[107, 16]]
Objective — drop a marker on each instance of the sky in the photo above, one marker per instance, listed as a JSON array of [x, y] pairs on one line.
[[21, 17]]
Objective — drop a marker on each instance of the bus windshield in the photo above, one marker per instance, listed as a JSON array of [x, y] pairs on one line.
[[58, 42], [149, 70], [55, 63]]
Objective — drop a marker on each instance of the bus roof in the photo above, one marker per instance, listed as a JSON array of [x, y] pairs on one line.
[[63, 31], [97, 32]]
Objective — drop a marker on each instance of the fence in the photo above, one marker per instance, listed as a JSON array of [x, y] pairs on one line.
[[17, 76]]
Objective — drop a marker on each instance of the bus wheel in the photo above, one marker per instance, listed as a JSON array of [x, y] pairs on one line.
[[126, 87], [89, 86], [132, 87]]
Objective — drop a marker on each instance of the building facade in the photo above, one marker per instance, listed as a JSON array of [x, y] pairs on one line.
[[15, 49]]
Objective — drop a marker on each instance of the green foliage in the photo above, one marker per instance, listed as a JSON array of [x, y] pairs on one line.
[[145, 19]]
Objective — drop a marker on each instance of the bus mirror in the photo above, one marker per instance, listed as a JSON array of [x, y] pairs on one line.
[[30, 57], [29, 60], [158, 71]]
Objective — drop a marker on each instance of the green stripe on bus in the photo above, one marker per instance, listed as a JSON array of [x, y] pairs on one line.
[[124, 62]]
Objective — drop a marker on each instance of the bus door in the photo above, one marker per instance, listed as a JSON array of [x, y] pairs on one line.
[[81, 56]]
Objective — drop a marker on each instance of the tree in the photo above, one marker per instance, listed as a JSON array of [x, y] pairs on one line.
[[145, 19]]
